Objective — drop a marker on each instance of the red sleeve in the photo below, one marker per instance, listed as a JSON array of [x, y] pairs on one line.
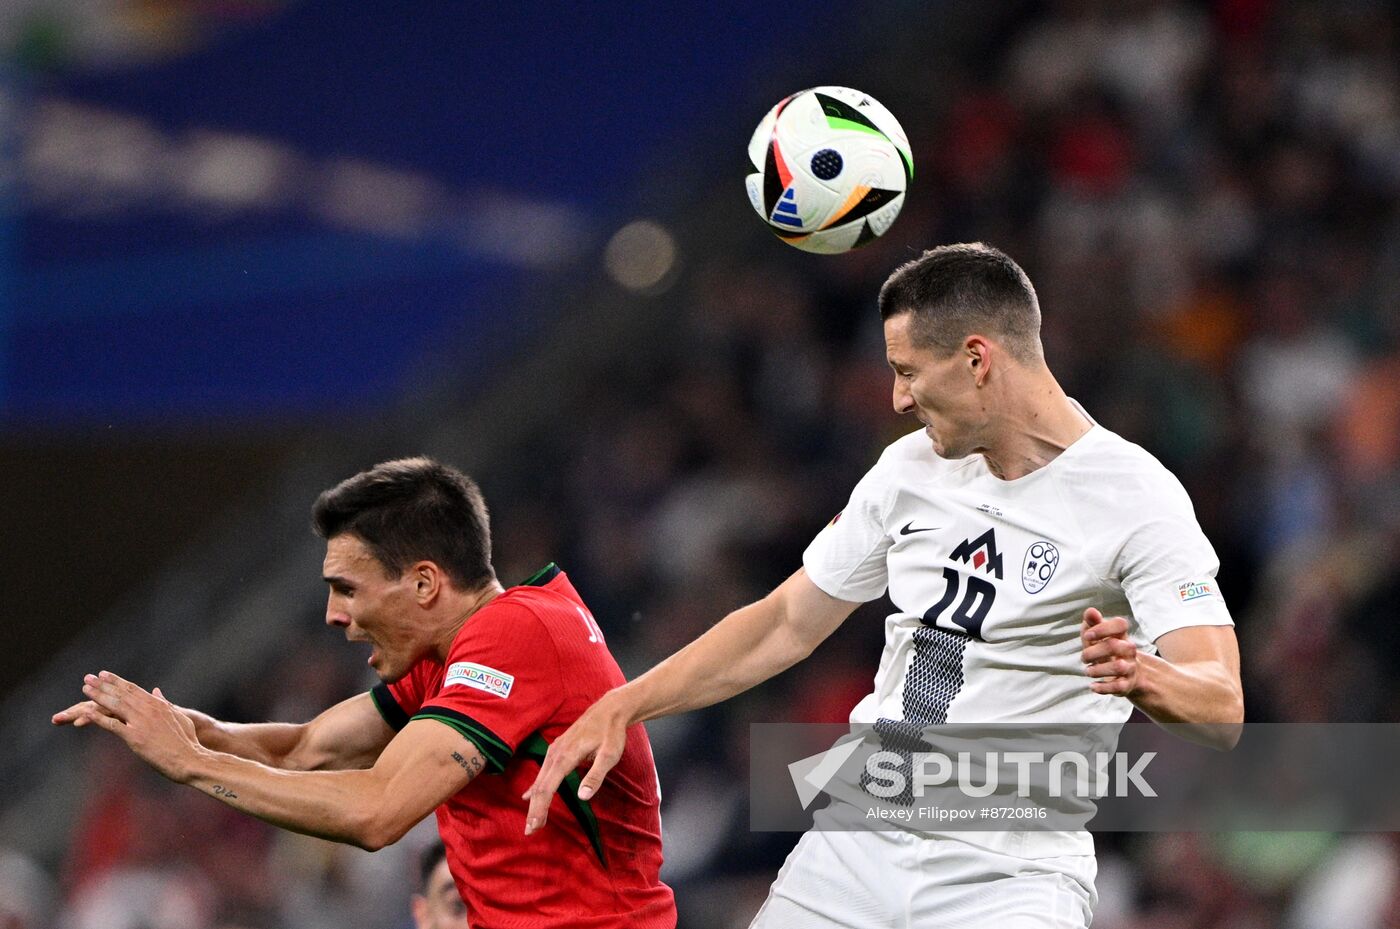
[[398, 701], [502, 681]]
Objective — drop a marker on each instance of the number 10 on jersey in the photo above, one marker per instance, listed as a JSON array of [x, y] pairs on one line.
[[967, 617]]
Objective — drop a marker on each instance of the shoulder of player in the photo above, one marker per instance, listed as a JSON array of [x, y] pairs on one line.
[[518, 624], [526, 610], [915, 451], [515, 612], [908, 447], [1123, 472], [911, 460]]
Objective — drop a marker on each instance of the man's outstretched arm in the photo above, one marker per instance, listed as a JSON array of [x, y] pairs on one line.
[[747, 647], [420, 768], [349, 735]]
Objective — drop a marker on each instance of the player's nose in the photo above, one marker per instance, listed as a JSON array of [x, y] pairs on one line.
[[336, 617], [903, 398]]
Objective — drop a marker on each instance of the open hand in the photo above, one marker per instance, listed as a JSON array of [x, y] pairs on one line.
[[600, 734], [151, 726], [78, 715]]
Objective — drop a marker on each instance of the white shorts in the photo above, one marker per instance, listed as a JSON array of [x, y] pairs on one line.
[[896, 879]]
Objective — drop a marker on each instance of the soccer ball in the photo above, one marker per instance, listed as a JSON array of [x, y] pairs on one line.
[[830, 167]]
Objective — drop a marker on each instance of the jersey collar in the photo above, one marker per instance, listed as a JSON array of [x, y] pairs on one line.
[[543, 576]]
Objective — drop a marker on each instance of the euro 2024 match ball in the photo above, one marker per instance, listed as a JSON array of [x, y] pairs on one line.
[[830, 169]]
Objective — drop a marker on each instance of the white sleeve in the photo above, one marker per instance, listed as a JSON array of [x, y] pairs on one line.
[[1167, 567], [847, 558]]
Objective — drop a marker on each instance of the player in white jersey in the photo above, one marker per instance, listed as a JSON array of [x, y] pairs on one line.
[[1044, 570]]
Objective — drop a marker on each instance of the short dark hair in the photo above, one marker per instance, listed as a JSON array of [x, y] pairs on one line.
[[956, 290], [411, 509], [428, 860]]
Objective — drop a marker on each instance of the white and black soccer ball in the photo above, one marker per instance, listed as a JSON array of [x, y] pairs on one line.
[[830, 169]]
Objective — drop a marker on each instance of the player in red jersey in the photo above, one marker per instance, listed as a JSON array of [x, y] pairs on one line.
[[476, 679]]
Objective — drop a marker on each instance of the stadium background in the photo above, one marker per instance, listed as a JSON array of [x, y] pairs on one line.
[[249, 247]]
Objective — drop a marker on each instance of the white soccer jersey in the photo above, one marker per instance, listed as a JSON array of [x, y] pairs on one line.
[[991, 579]]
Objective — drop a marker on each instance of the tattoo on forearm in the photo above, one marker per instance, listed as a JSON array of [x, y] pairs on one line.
[[225, 792], [471, 765]]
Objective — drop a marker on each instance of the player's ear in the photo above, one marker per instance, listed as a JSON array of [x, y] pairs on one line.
[[420, 912], [427, 581], [977, 352]]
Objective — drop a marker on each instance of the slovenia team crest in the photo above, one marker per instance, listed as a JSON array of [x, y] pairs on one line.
[[1042, 559]]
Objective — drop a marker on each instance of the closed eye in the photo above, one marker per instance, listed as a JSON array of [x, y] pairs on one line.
[[340, 586], [901, 373]]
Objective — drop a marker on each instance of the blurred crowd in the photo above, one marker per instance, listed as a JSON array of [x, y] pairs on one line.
[[1207, 197]]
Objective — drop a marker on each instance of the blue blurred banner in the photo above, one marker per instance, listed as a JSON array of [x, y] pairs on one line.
[[9, 209], [280, 219]]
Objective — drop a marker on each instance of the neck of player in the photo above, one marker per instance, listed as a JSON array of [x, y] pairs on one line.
[[1030, 422], [456, 610]]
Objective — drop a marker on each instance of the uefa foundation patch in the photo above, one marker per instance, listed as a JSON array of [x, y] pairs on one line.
[[471, 674], [1191, 591]]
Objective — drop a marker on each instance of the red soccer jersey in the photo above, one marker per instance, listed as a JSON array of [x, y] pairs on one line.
[[520, 671]]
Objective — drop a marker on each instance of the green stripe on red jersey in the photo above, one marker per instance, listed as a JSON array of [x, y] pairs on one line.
[[535, 748], [492, 747], [388, 707]]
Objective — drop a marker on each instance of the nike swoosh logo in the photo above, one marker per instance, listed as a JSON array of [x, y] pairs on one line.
[[908, 528]]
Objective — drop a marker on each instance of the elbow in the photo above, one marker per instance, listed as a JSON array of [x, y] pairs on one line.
[[1225, 734], [1218, 725], [376, 832], [370, 843], [1235, 727]]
